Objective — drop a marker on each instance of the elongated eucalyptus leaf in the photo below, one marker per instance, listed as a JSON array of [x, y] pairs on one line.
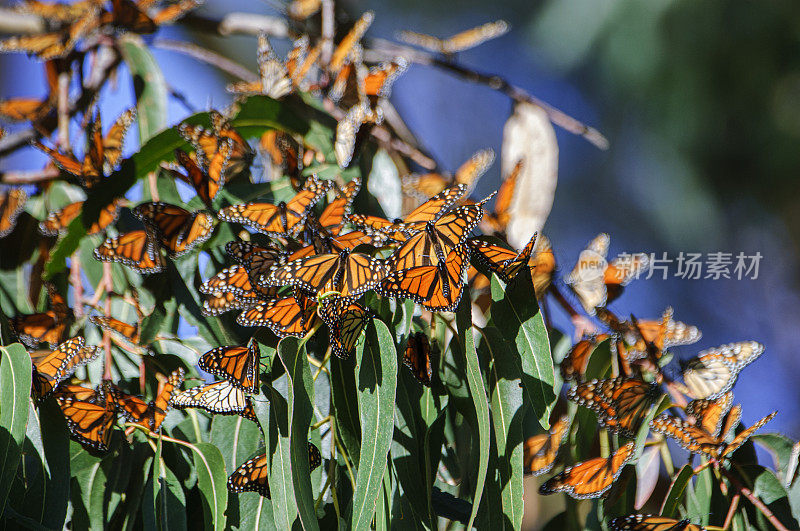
[[149, 86], [255, 512], [477, 391], [300, 399], [507, 412], [407, 451], [376, 381], [15, 388], [236, 437], [345, 406], [676, 490], [516, 314], [211, 479]]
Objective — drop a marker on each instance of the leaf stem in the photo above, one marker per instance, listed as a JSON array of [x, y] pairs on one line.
[[757, 503]]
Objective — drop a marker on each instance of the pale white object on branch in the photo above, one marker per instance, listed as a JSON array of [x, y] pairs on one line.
[[529, 136]]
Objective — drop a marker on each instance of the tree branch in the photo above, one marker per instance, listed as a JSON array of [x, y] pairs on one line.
[[382, 50]]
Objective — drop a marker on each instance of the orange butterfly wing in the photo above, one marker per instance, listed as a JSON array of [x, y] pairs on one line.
[[134, 249], [238, 365], [540, 451], [620, 403], [11, 205], [592, 478]]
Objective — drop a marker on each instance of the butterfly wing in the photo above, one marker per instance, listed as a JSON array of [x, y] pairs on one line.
[[285, 316], [540, 451], [11, 205], [648, 522], [592, 478], [417, 357], [134, 249], [620, 403], [50, 369], [238, 365]]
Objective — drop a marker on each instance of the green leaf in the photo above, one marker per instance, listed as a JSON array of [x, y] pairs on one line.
[[376, 381], [236, 437], [211, 479], [15, 389], [66, 245], [171, 502], [284, 506], [300, 402], [255, 512], [407, 451], [770, 491], [676, 489], [148, 85], [478, 393], [507, 413], [345, 407], [516, 314], [781, 447]]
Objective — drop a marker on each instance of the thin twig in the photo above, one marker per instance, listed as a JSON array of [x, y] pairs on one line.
[[731, 511], [381, 49], [77, 285], [328, 29], [238, 24], [207, 56], [29, 177]]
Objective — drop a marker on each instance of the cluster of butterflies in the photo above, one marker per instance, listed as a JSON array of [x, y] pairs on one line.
[[70, 23], [621, 404], [92, 413]]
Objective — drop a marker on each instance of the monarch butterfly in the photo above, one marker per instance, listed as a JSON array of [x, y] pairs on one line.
[[592, 478], [649, 522], [48, 327], [238, 365], [436, 287], [284, 153], [345, 319], [220, 397], [436, 239], [131, 16], [59, 221], [709, 414], [25, 109], [506, 263], [713, 372], [47, 46], [274, 77], [128, 331], [90, 420], [697, 441], [497, 220], [540, 451], [178, 230], [150, 414], [257, 260], [429, 184], [597, 282], [102, 153], [11, 204], [51, 368], [287, 316], [431, 210], [346, 45], [235, 280], [349, 274], [136, 249], [574, 363], [58, 12], [337, 211], [219, 147], [206, 182], [347, 131], [218, 303], [417, 357], [300, 60], [620, 403], [253, 474], [458, 42], [282, 219]]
